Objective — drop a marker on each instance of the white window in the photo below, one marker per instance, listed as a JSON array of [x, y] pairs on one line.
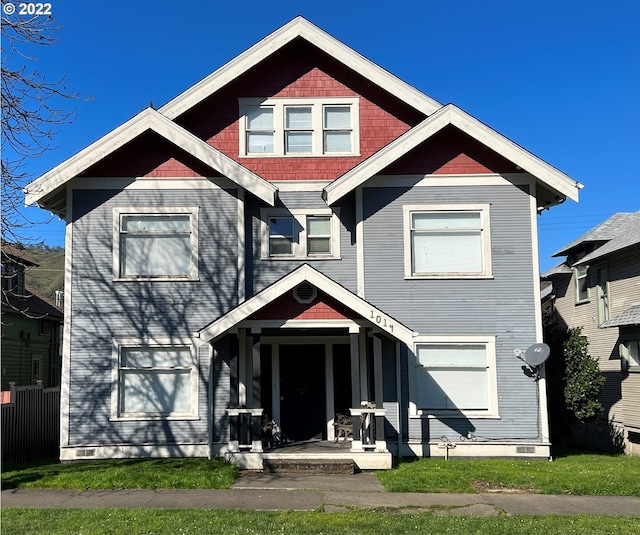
[[630, 355], [447, 241], [309, 234], [154, 381], [582, 288], [456, 378], [603, 295], [159, 243], [299, 127]]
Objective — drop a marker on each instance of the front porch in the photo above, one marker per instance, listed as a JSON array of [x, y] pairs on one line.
[[311, 456]]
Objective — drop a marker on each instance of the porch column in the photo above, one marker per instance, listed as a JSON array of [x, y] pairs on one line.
[[379, 386], [234, 392], [354, 342], [256, 445]]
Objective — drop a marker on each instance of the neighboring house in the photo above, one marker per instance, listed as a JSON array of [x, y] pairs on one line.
[[597, 288], [300, 235], [31, 327]]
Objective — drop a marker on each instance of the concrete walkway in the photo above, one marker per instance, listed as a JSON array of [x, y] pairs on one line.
[[330, 493]]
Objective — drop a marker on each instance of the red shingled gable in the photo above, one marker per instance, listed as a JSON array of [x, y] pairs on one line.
[[287, 307]]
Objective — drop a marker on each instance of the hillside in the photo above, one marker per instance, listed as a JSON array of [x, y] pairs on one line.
[[49, 275]]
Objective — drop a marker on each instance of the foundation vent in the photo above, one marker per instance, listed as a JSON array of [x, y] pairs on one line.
[[525, 449], [305, 292], [85, 453]]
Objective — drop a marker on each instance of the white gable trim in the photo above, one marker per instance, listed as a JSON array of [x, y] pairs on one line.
[[298, 27], [451, 115], [306, 273], [149, 119]]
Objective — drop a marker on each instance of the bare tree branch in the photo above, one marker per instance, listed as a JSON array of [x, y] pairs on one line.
[[33, 108]]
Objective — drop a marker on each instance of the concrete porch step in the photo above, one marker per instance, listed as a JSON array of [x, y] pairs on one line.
[[310, 466]]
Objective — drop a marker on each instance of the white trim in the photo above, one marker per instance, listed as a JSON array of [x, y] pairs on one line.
[[116, 354], [138, 451], [305, 272], [492, 377], [299, 324], [300, 244], [146, 183], [470, 180], [451, 115], [360, 271], [242, 268], [329, 392], [298, 27], [192, 211], [146, 120], [485, 237], [65, 372], [300, 185], [317, 129]]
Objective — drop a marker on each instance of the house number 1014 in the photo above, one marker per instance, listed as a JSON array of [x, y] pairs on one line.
[[382, 321]]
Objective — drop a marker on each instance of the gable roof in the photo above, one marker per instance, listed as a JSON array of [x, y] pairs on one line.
[[621, 230], [304, 273], [45, 188], [298, 28], [452, 115]]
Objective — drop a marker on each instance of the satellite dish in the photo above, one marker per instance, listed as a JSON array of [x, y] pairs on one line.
[[536, 354]]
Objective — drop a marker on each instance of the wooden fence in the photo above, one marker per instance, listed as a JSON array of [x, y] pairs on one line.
[[31, 424]]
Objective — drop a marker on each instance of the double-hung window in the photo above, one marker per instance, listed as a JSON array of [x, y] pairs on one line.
[[603, 294], [154, 381], [447, 241], [630, 355], [159, 243], [456, 377], [299, 127], [313, 234], [582, 287]]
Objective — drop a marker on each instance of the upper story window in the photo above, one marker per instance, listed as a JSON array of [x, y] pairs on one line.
[[309, 234], [299, 127], [630, 355], [582, 287], [603, 295], [156, 243], [451, 241]]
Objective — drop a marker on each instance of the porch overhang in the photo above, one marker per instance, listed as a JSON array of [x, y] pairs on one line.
[[305, 273]]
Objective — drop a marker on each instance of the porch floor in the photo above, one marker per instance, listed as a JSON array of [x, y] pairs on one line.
[[317, 452]]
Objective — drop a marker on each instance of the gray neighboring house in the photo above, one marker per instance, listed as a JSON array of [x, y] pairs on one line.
[[301, 245], [597, 288]]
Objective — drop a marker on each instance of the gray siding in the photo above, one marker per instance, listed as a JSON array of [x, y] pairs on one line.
[[103, 309], [503, 306], [262, 273]]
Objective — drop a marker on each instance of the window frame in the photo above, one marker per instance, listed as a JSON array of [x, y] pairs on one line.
[[300, 235], [577, 278], [489, 342], [118, 216], [485, 239], [629, 362], [119, 371], [603, 293], [280, 129]]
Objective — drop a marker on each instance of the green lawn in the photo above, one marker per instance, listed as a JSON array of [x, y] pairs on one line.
[[159, 522], [123, 474], [570, 473]]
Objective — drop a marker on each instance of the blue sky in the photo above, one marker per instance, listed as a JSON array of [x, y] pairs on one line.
[[559, 77]]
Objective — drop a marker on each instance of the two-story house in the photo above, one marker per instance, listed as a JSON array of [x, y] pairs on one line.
[[298, 236], [597, 288], [30, 326]]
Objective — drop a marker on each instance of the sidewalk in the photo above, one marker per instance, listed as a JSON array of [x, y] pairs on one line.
[[332, 493]]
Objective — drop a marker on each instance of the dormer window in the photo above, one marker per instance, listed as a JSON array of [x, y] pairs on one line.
[[299, 127]]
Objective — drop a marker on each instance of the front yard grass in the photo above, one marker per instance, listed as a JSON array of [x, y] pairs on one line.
[[123, 474], [160, 522], [571, 472]]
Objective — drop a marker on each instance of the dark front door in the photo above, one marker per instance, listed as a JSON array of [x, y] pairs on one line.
[[302, 391]]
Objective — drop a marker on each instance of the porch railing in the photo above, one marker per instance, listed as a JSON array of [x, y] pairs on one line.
[[245, 432], [368, 429]]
